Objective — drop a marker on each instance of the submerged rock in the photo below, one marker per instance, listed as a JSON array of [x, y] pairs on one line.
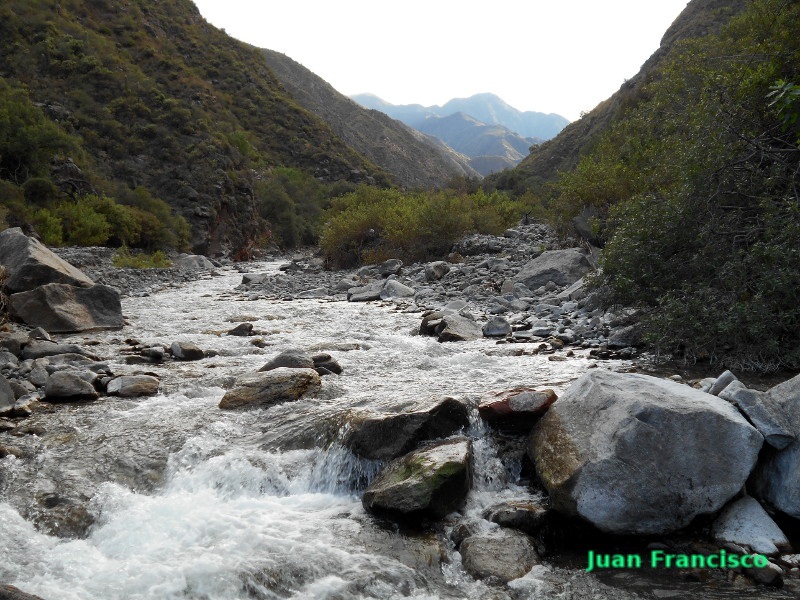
[[132, 386], [504, 554], [292, 358], [634, 454], [264, 389], [186, 351], [384, 436], [426, 483], [9, 592]]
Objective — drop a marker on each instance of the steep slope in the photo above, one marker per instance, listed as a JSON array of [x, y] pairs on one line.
[[413, 159], [699, 18], [479, 141], [164, 103]]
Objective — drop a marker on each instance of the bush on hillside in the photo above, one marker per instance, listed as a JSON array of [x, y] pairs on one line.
[[370, 225]]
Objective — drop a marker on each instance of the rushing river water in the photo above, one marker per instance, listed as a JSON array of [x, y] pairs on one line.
[[187, 501]]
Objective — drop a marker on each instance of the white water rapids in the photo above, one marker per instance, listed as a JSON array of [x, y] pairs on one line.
[[189, 501]]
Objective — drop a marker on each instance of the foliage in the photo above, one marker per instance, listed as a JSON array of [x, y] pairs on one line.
[[698, 185], [147, 95], [123, 258], [370, 225]]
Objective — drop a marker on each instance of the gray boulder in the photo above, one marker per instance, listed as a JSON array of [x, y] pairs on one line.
[[193, 262], [390, 267], [436, 270], [7, 397], [265, 389], [394, 289], [634, 454], [518, 409], [30, 264], [562, 267], [67, 386], [132, 386], [385, 436], [450, 327], [292, 358], [497, 327], [746, 523], [242, 330], [503, 554], [186, 351], [426, 483], [775, 480], [365, 293], [44, 348], [325, 364], [63, 308], [765, 414], [522, 515]]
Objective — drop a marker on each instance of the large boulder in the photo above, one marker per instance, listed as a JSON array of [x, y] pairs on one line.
[[775, 479], [133, 386], [562, 267], [30, 264], [518, 409], [502, 553], [634, 454], [63, 308], [264, 389], [292, 358], [385, 436], [68, 386], [450, 326], [426, 483]]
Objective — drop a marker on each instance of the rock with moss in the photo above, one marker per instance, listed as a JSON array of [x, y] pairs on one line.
[[428, 483]]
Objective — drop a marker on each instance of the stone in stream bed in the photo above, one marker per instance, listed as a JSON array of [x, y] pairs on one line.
[[133, 386], [431, 482], [634, 454], [9, 592], [502, 553], [265, 389], [69, 386], [517, 410], [186, 351]]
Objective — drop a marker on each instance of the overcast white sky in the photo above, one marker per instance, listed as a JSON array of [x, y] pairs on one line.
[[560, 56]]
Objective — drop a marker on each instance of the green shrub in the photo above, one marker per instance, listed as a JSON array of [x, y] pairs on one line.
[[123, 258], [40, 191], [370, 224], [82, 224], [48, 226]]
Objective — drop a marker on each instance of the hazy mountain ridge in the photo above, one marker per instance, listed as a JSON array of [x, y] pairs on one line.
[[483, 127], [412, 158]]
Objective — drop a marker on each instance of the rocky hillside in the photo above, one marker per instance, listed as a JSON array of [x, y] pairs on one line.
[[699, 18], [414, 160], [160, 104]]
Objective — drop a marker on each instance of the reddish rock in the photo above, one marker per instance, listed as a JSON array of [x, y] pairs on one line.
[[517, 409]]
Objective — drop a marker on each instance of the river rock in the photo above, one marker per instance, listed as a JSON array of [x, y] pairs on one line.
[[30, 264], [264, 389], [13, 341], [394, 289], [504, 554], [9, 592], [390, 267], [746, 523], [365, 293], [517, 410], [634, 454], [43, 348], [132, 386], [63, 308], [66, 386], [384, 436], [186, 351], [242, 330], [432, 482], [497, 327], [436, 270], [193, 262], [765, 414], [562, 267], [721, 382], [292, 358], [522, 515], [450, 327], [325, 364], [775, 479], [7, 397]]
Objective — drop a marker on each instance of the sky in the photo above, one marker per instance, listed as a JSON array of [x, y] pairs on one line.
[[554, 56]]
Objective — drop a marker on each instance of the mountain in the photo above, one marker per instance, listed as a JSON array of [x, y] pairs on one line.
[[487, 108], [482, 127], [699, 18], [491, 147], [152, 104], [415, 160]]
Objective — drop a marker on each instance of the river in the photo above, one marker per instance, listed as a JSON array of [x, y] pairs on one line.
[[188, 501]]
